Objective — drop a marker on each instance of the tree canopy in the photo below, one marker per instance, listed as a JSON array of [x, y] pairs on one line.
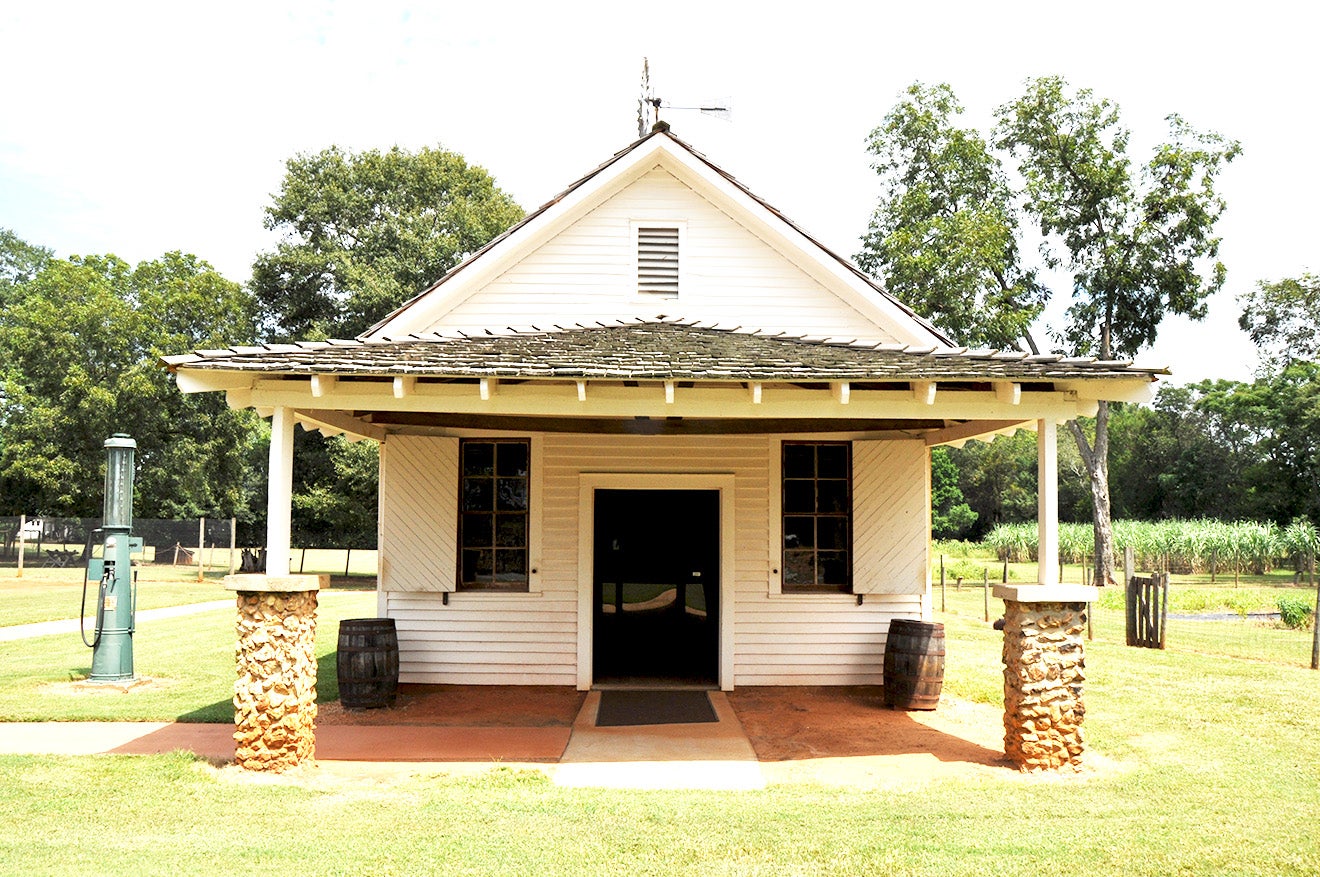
[[80, 345], [1136, 243], [363, 232], [19, 263], [1283, 319], [944, 238]]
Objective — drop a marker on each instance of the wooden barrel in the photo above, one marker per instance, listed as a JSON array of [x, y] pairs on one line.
[[367, 663], [914, 664]]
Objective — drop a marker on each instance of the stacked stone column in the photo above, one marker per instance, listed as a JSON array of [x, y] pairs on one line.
[[1044, 668], [275, 691]]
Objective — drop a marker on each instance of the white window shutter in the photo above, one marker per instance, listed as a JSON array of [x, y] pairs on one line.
[[419, 513], [891, 517]]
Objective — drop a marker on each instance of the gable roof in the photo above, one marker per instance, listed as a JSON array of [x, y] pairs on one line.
[[666, 349], [659, 147]]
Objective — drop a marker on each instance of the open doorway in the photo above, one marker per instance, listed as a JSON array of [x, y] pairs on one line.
[[656, 588]]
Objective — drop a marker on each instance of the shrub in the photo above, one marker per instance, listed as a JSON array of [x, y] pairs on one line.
[[1294, 612]]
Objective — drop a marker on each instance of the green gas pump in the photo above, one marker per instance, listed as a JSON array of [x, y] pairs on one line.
[[116, 597]]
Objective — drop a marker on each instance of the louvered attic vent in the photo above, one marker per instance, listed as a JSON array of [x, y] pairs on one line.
[[657, 261]]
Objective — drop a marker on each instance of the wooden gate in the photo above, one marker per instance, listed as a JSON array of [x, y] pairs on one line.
[[1147, 610]]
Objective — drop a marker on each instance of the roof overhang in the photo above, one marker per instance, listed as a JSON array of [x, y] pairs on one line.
[[652, 378]]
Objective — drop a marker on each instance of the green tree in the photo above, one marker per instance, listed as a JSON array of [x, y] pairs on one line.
[[19, 263], [998, 479], [1139, 244], [81, 347], [950, 516], [1283, 319], [944, 238], [362, 232]]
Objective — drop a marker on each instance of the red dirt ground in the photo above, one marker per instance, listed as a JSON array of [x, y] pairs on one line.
[[783, 723], [494, 706]]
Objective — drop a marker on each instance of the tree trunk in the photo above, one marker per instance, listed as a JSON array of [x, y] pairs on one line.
[[1096, 460]]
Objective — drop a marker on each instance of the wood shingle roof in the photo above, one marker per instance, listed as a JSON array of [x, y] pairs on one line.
[[651, 349]]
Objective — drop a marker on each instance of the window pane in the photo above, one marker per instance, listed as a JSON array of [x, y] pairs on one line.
[[511, 565], [478, 566], [799, 461], [478, 458], [833, 497], [832, 461], [833, 567], [799, 496], [511, 531], [799, 533], [512, 495], [478, 495], [832, 533], [511, 458], [799, 568], [477, 531]]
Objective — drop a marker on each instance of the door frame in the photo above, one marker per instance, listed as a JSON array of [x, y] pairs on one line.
[[588, 483]]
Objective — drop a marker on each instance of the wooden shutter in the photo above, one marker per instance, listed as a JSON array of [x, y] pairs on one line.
[[419, 513], [891, 517]]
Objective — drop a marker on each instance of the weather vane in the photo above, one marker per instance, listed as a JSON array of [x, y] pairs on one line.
[[648, 105]]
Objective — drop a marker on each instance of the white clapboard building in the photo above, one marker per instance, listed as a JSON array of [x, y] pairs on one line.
[[654, 432]]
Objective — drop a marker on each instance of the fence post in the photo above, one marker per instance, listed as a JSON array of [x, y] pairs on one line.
[[22, 525], [1213, 563], [985, 591], [233, 543], [347, 556], [201, 546], [1164, 609], [1315, 619], [941, 582]]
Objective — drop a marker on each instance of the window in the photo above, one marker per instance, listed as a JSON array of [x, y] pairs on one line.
[[817, 516], [493, 503], [657, 261]]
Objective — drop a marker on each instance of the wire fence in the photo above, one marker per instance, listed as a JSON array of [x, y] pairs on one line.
[[208, 545], [66, 542]]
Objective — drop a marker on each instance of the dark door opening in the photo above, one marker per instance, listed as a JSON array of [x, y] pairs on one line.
[[657, 588]]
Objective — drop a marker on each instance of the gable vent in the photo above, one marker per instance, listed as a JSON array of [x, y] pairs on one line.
[[657, 261]]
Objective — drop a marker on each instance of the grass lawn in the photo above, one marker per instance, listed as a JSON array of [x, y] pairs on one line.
[[44, 594], [192, 655], [1211, 766]]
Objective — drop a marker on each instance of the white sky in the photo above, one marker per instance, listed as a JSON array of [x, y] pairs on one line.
[[140, 128]]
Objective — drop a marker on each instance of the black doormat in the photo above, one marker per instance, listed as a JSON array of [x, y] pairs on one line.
[[653, 707]]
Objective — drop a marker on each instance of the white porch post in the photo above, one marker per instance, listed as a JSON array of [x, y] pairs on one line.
[[1047, 503], [279, 501]]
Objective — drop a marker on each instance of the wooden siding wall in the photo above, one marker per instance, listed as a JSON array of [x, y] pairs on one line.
[[587, 273], [781, 639]]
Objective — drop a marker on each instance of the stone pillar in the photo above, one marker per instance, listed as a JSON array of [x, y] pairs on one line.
[[275, 693], [1044, 668]]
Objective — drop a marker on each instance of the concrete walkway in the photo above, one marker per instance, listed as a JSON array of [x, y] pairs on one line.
[[70, 625], [713, 755]]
